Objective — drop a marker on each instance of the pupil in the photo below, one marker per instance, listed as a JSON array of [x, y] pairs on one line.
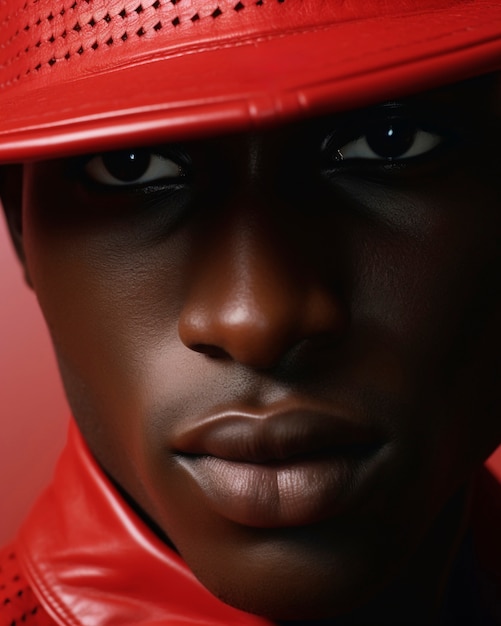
[[127, 166], [393, 140]]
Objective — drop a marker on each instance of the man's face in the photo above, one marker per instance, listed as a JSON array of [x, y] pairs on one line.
[[284, 346]]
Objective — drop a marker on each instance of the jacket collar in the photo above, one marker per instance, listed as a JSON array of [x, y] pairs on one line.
[[90, 560]]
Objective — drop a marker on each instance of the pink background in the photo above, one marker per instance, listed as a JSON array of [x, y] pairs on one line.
[[33, 410]]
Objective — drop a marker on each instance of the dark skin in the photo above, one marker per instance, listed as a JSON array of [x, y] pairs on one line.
[[302, 271]]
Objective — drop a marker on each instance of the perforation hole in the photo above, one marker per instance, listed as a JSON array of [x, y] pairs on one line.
[[148, 28]]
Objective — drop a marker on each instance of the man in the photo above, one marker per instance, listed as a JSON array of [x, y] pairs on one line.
[[268, 254]]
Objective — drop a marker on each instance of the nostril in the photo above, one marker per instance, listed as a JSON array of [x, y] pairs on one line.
[[214, 352], [258, 328]]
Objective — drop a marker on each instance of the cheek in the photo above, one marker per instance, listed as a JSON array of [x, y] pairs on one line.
[[464, 306], [112, 304], [426, 312]]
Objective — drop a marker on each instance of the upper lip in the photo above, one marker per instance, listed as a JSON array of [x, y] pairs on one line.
[[275, 436]]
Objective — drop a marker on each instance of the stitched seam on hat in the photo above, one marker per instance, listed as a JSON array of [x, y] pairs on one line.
[[159, 57], [251, 39], [263, 39]]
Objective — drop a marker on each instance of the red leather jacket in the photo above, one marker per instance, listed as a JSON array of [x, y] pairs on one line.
[[84, 559]]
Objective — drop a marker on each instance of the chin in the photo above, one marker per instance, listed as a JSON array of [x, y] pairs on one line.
[[284, 600], [292, 574]]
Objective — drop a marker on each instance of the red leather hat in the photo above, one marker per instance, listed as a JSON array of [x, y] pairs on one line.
[[83, 75]]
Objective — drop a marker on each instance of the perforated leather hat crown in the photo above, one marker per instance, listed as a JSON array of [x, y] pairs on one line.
[[82, 75]]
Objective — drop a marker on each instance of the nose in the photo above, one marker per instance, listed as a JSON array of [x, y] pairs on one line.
[[253, 296]]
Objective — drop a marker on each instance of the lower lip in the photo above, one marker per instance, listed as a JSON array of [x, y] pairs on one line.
[[294, 493]]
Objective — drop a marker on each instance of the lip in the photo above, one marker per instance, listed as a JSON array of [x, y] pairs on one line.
[[277, 469]]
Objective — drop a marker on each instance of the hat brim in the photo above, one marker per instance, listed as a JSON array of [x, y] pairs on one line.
[[263, 81]]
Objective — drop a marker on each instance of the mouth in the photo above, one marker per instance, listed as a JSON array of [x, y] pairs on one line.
[[267, 470]]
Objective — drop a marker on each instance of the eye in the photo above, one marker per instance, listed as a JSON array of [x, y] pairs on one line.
[[132, 168], [392, 140]]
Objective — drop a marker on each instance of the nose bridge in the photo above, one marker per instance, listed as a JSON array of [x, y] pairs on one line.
[[252, 296]]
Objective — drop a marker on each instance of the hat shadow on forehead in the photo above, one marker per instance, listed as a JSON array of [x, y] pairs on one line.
[[105, 73]]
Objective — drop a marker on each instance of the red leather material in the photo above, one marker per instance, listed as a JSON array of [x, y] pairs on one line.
[[90, 560], [93, 75], [18, 603]]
